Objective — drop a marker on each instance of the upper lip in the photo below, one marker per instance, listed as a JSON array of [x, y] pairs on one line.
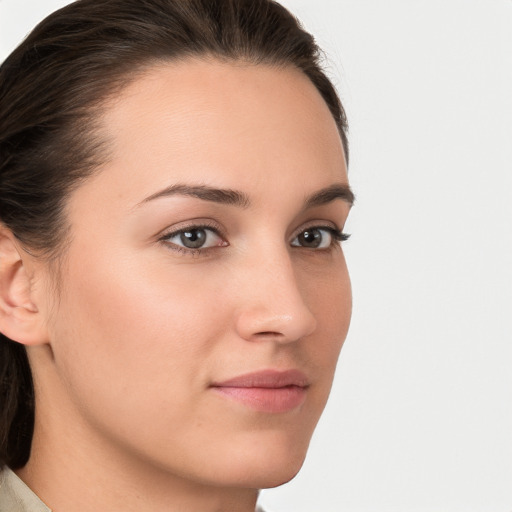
[[267, 379]]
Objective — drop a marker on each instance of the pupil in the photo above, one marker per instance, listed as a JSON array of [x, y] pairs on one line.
[[312, 238], [194, 238]]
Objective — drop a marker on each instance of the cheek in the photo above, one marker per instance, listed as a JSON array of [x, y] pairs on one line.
[[128, 330], [328, 294], [329, 297]]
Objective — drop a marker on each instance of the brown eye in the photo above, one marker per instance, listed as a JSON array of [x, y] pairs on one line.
[[315, 238], [310, 238]]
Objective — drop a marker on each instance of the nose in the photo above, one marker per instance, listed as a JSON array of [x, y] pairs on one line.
[[272, 305]]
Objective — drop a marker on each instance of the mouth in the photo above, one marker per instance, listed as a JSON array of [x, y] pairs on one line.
[[269, 391]]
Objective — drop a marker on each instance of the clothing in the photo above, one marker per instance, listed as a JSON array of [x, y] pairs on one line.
[[15, 496]]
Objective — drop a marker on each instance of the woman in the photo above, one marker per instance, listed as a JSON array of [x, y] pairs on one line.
[[174, 294]]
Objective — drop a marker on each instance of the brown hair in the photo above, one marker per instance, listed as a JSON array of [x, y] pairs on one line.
[[51, 89]]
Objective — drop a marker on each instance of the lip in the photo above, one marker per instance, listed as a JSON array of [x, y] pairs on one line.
[[269, 391]]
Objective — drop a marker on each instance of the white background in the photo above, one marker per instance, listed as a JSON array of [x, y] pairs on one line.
[[420, 418]]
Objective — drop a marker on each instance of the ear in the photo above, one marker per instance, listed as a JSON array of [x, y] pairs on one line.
[[20, 319]]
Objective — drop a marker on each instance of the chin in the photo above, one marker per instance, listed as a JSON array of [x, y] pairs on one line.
[[267, 465], [274, 474], [280, 477]]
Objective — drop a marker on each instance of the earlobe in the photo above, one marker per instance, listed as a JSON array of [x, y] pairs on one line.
[[20, 319]]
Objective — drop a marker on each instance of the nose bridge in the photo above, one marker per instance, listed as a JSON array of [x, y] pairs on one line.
[[272, 303]]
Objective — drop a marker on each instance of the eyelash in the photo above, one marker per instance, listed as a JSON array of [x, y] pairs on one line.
[[337, 237]]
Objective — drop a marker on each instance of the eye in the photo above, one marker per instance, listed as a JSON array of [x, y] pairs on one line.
[[194, 238], [318, 238]]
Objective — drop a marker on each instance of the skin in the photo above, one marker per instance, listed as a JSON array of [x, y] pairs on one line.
[[124, 357]]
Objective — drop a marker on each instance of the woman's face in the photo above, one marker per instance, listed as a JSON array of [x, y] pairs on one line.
[[204, 297]]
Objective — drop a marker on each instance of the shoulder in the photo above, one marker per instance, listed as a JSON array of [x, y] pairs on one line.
[[15, 496]]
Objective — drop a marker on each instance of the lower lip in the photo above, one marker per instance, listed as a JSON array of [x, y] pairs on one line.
[[270, 400]]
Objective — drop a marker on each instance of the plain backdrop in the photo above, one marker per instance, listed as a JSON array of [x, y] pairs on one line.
[[420, 417]]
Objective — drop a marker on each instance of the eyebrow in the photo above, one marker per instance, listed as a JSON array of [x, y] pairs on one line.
[[327, 195], [240, 199], [204, 192]]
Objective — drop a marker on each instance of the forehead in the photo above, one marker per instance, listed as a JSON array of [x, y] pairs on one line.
[[234, 122]]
